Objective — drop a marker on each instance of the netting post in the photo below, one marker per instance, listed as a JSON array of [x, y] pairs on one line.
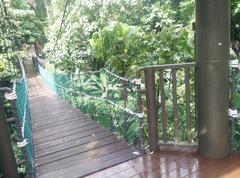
[[151, 109], [7, 158]]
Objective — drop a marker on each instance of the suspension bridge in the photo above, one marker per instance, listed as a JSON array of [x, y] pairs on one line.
[[59, 129], [60, 141], [66, 142]]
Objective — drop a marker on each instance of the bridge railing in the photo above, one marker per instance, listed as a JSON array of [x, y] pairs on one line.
[[170, 104], [109, 99], [21, 117], [168, 97]]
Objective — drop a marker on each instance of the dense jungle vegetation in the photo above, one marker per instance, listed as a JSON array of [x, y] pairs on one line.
[[81, 35]]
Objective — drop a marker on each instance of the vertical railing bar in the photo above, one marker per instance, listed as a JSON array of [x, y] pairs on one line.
[[163, 106], [175, 110], [187, 104], [125, 98], [196, 101], [140, 110], [151, 109]]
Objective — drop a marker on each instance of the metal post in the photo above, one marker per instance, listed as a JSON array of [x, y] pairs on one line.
[[7, 159], [212, 54], [151, 109]]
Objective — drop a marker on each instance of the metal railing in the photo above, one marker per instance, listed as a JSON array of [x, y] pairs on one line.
[[170, 103]]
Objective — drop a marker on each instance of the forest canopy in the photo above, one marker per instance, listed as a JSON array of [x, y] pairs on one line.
[[90, 34]]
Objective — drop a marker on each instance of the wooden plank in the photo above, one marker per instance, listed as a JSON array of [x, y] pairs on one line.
[[44, 104], [70, 161], [67, 128], [163, 106], [123, 167], [62, 134], [39, 110], [53, 113], [54, 117], [52, 147], [81, 148], [46, 100], [187, 104], [63, 127], [102, 163], [69, 137], [86, 167], [175, 108], [44, 125], [59, 118]]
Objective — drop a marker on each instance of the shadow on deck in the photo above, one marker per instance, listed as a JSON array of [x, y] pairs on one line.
[[67, 144]]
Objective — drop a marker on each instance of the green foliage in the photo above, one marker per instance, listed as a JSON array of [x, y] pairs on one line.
[[186, 11], [122, 35], [29, 28], [235, 22], [19, 27], [157, 17], [119, 44]]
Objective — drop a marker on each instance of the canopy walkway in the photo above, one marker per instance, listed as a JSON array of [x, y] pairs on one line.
[[68, 143], [59, 141]]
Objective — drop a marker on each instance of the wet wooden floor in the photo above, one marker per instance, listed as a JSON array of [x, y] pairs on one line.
[[67, 143], [180, 163]]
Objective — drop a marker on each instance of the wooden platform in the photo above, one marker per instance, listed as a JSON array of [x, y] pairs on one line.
[[67, 143], [181, 163]]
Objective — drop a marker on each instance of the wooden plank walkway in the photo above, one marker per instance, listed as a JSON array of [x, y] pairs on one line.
[[67, 143]]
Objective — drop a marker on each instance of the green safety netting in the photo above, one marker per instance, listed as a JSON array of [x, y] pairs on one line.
[[109, 99], [24, 115]]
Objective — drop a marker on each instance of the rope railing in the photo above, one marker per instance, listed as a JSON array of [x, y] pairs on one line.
[[108, 98], [134, 81], [20, 106]]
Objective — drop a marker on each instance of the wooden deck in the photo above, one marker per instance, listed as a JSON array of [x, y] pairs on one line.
[[68, 145], [178, 163]]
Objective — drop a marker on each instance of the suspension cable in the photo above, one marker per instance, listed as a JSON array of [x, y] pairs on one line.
[[61, 24], [126, 110]]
